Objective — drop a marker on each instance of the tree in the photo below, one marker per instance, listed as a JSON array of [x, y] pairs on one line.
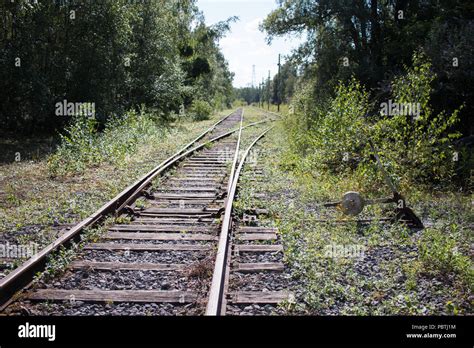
[[373, 41], [119, 55]]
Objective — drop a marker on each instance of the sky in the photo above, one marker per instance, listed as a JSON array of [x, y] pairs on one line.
[[245, 45]]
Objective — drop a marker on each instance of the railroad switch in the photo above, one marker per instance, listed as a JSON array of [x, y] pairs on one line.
[[352, 203]]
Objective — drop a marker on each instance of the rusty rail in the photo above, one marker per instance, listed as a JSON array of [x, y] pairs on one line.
[[22, 276], [217, 291]]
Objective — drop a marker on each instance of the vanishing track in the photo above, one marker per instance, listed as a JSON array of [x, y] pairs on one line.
[[165, 246]]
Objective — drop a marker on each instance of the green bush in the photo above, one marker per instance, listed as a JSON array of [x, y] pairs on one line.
[[82, 146], [201, 110], [338, 138], [419, 149], [332, 136], [239, 103]]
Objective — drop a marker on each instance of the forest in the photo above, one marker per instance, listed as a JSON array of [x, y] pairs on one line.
[[119, 55], [357, 59]]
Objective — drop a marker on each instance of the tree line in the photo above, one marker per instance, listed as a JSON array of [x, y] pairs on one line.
[[374, 41], [359, 56], [276, 90], [118, 55]]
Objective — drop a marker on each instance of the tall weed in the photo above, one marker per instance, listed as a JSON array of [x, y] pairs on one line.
[[83, 146], [333, 137]]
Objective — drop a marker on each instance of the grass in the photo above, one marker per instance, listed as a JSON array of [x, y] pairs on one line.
[[35, 205], [25, 148], [284, 108], [399, 272], [59, 260], [252, 115]]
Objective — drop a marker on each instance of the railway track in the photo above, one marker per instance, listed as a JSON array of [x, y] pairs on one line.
[[249, 276], [171, 249]]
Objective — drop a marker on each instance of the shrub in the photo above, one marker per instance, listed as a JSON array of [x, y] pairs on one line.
[[239, 103], [419, 148], [201, 110], [77, 148], [332, 136], [82, 146], [338, 137]]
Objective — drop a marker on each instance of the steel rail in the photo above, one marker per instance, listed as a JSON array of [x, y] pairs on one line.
[[217, 290], [236, 155], [145, 183], [187, 146], [23, 275], [199, 137]]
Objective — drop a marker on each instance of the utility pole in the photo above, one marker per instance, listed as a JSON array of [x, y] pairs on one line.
[[253, 76], [278, 85], [263, 86], [268, 90]]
